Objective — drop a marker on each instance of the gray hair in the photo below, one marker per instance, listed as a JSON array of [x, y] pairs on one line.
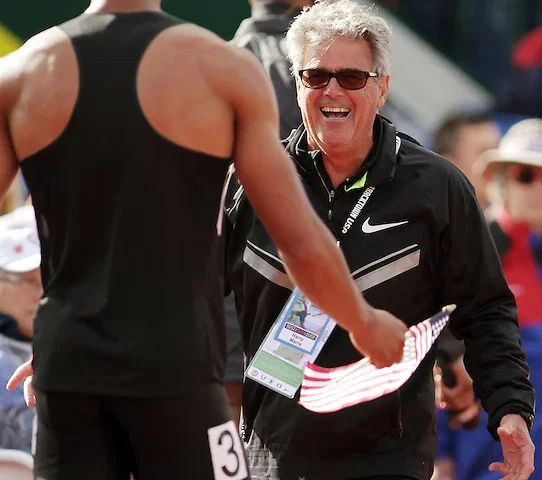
[[327, 20]]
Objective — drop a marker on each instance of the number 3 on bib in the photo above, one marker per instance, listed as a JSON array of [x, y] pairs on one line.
[[227, 452]]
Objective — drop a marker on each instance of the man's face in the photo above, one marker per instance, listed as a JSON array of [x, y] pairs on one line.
[[353, 126], [524, 194], [472, 141], [19, 297]]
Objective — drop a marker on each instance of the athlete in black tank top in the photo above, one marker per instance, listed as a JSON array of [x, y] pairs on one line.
[[133, 256], [124, 121], [133, 299]]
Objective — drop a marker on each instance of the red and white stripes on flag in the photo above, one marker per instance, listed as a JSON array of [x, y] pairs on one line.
[[326, 390]]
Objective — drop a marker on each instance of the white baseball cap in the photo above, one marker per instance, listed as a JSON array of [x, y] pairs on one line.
[[522, 144], [19, 242], [22, 217]]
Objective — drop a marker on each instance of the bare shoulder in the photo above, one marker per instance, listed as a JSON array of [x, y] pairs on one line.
[[38, 88], [39, 51], [39, 47], [224, 65]]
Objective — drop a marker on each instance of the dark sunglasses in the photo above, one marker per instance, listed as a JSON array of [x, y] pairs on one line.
[[347, 79], [527, 175]]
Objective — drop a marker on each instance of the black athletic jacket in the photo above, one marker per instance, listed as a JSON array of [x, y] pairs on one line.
[[443, 255]]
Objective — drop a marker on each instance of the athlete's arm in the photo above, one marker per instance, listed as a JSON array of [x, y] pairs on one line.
[[8, 91], [307, 247]]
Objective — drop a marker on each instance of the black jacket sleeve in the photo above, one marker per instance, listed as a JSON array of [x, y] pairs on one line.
[[470, 275]]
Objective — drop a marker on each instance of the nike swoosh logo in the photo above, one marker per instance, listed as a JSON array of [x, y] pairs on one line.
[[368, 228]]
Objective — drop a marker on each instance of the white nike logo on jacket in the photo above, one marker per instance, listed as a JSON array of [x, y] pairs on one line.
[[368, 228]]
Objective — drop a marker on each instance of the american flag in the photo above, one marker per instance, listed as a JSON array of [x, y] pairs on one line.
[[326, 390]]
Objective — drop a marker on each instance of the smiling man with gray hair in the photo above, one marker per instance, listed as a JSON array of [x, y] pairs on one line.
[[414, 238]]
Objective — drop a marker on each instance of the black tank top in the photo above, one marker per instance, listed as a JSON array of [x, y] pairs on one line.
[[131, 262]]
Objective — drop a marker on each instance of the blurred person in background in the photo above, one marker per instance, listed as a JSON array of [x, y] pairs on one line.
[[462, 138], [129, 344], [477, 36], [20, 291], [522, 93], [15, 197], [514, 176], [419, 240], [264, 34]]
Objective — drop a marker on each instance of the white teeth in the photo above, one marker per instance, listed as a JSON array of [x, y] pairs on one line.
[[335, 110]]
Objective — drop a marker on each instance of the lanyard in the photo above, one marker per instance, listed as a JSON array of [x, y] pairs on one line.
[[358, 207], [364, 198]]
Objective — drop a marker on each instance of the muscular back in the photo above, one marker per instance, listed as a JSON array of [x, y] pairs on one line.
[[123, 125], [193, 88], [183, 84]]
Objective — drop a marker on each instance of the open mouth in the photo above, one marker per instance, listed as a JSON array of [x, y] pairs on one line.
[[335, 112]]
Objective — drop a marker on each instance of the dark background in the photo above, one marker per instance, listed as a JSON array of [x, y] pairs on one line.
[[27, 17]]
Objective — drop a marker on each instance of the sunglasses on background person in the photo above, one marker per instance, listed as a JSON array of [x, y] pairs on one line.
[[525, 174], [350, 79]]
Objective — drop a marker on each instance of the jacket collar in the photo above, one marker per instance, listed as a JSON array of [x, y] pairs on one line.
[[268, 17], [380, 163]]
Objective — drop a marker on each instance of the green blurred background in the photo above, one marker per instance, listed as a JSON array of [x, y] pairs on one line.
[[20, 19], [476, 35]]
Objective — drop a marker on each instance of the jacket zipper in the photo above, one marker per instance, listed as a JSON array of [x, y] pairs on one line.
[[330, 194]]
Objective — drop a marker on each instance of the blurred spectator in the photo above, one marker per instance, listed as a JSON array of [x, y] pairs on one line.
[[476, 35], [22, 217], [522, 95], [20, 291], [528, 51], [264, 35], [514, 172], [15, 197], [462, 138]]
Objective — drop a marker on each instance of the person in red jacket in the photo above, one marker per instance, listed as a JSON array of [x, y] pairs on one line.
[[514, 175]]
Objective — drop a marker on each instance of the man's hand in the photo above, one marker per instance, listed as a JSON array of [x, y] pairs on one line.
[[517, 449], [382, 339], [24, 373]]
